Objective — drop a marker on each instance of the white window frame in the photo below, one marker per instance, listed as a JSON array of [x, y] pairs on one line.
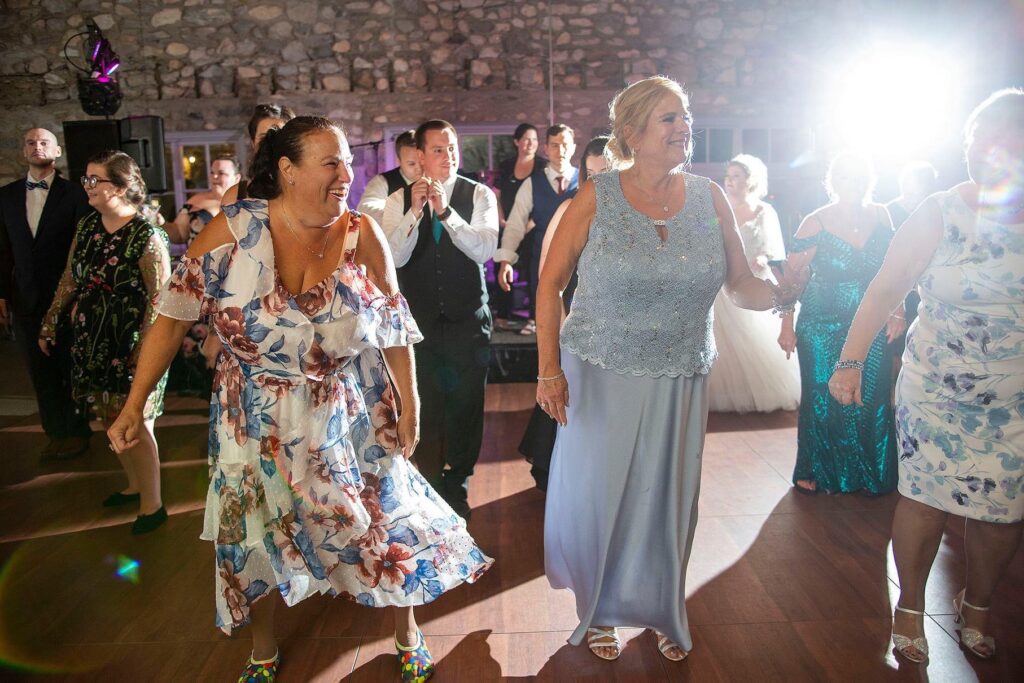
[[178, 140]]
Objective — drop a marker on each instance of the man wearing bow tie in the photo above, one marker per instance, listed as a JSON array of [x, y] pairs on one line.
[[38, 216]]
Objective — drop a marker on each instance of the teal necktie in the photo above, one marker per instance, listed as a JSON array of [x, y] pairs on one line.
[[438, 228]]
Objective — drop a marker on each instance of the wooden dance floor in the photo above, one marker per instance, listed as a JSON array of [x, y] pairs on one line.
[[782, 587]]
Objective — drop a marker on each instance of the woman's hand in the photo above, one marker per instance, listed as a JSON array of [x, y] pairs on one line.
[[553, 398], [408, 433], [124, 433], [844, 386], [791, 284], [787, 340], [894, 327], [45, 344]]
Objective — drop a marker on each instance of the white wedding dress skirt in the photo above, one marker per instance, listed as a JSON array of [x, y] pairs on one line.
[[751, 373]]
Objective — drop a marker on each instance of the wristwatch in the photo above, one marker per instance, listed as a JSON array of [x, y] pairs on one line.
[[443, 216]]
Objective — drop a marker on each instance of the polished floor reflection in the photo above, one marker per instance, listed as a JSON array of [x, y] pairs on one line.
[[781, 587]]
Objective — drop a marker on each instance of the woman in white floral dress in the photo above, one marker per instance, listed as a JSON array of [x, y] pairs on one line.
[[309, 491], [960, 396]]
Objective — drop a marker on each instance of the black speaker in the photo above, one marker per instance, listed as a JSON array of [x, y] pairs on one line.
[[83, 139], [140, 137]]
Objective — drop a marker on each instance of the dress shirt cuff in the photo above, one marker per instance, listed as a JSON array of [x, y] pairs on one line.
[[506, 255]]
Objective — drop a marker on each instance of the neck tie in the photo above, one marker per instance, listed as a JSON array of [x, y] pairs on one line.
[[562, 184], [41, 185], [438, 227]]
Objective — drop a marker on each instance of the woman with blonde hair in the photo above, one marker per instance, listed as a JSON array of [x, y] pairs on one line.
[[625, 379], [751, 374]]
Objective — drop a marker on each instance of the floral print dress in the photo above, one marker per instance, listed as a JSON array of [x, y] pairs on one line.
[[960, 395], [112, 281], [309, 492]]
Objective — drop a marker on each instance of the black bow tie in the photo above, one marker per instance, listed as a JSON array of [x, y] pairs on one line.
[[41, 185]]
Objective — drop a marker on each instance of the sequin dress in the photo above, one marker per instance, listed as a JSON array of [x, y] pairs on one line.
[[111, 283], [960, 395], [842, 448], [309, 492]]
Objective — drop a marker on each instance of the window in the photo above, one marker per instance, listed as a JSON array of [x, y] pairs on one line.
[[188, 157]]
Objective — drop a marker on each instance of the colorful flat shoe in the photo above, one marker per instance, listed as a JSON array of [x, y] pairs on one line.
[[261, 671], [415, 662]]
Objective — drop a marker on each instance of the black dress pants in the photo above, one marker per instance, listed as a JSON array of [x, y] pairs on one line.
[[51, 378], [451, 371]]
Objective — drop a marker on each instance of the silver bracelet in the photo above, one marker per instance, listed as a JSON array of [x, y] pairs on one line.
[[849, 365], [553, 377]]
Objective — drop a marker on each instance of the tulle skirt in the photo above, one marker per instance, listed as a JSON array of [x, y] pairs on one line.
[[751, 373]]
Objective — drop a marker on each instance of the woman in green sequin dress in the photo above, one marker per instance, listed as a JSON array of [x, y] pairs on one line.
[[842, 449], [118, 263]]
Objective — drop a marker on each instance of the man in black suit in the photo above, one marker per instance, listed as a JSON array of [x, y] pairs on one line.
[[38, 216], [442, 229]]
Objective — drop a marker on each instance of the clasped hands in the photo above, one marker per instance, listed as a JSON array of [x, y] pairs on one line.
[[429, 190]]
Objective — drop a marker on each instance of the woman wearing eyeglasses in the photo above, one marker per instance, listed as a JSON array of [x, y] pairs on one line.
[[118, 263]]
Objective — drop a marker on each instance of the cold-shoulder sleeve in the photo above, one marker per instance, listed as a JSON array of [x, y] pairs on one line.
[[183, 295], [393, 323], [799, 244]]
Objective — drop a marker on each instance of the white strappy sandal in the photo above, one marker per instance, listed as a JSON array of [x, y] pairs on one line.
[[665, 647], [903, 644], [604, 637], [971, 638]]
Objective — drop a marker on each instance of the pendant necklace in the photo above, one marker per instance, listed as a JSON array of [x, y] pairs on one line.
[[323, 247], [660, 224]]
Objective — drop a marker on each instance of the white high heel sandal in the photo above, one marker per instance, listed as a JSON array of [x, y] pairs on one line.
[[971, 638], [903, 644]]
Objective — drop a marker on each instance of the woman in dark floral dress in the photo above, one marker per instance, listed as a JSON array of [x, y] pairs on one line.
[[118, 263]]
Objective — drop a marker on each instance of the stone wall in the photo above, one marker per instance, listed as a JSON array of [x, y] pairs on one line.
[[202, 64]]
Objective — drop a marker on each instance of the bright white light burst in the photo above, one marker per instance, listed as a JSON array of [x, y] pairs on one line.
[[895, 103]]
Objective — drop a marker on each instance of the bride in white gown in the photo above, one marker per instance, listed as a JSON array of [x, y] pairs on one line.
[[752, 373]]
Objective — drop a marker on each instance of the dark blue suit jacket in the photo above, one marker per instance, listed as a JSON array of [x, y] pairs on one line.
[[31, 267]]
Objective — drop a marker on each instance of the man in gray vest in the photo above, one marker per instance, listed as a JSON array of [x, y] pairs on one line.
[[442, 229]]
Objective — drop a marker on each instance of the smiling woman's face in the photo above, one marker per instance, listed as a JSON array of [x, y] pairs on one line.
[[666, 137], [320, 182]]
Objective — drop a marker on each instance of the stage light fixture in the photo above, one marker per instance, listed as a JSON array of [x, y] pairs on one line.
[[895, 102], [98, 90]]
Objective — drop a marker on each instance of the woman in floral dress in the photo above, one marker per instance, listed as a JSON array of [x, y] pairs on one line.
[[118, 263], [311, 490], [960, 395]]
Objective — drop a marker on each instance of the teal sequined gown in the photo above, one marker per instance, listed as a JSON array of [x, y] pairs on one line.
[[842, 448]]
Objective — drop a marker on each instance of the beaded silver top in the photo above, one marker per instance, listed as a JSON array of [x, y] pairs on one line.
[[644, 307]]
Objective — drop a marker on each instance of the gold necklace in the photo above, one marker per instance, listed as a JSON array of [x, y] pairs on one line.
[[323, 247]]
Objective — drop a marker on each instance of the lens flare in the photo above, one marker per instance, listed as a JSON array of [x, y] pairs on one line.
[[895, 102]]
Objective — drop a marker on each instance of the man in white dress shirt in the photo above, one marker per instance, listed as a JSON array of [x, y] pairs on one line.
[[383, 185], [442, 229], [38, 217], [538, 198]]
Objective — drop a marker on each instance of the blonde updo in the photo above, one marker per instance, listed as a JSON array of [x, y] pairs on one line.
[[631, 108], [756, 172]]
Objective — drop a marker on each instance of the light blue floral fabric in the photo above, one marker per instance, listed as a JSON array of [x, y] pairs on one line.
[[309, 492], [960, 396]]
